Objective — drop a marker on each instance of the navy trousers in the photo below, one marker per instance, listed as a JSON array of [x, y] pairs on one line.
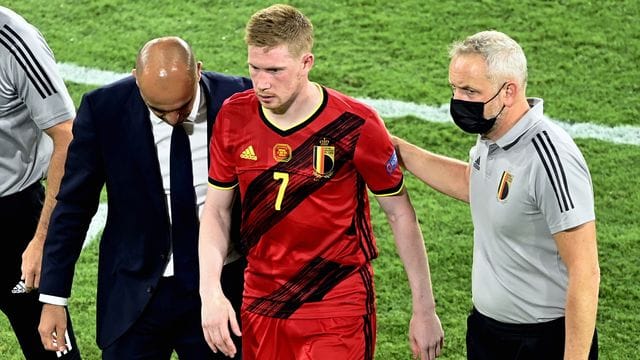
[[172, 322]]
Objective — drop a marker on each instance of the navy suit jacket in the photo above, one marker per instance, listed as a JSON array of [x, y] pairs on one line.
[[113, 144]]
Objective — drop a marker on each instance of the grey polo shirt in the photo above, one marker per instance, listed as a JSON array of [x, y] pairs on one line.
[[530, 184], [33, 97]]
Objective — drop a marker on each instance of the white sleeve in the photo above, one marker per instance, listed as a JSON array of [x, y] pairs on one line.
[[54, 300], [35, 75], [563, 188]]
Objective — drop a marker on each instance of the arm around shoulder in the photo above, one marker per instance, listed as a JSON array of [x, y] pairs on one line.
[[446, 175]]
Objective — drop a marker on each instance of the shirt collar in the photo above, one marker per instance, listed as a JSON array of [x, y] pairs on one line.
[[529, 119]]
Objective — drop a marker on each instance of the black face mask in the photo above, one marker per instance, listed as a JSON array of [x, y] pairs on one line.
[[469, 115]]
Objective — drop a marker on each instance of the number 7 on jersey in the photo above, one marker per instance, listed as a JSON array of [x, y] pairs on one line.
[[283, 186]]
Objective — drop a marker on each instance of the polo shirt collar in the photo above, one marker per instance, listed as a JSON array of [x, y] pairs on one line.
[[529, 119]]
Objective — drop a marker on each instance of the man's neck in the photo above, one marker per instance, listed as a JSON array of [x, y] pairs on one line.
[[303, 106], [514, 115]]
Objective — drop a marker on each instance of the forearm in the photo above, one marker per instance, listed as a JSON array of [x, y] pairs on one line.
[[580, 314], [211, 254], [578, 250], [416, 264], [425, 330], [412, 252], [446, 175], [213, 246], [61, 139]]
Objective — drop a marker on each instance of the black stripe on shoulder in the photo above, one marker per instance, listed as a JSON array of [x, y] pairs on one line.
[[29, 63], [554, 169], [565, 184]]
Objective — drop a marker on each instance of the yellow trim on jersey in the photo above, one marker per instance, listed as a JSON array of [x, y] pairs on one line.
[[393, 193], [223, 188], [266, 114]]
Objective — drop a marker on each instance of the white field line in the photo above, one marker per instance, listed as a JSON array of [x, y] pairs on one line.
[[388, 109], [97, 224], [623, 134]]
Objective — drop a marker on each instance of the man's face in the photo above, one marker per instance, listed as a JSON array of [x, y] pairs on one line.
[[469, 82], [277, 75], [170, 98]]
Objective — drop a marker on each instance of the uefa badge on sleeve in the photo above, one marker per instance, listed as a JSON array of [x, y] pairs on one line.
[[392, 163]]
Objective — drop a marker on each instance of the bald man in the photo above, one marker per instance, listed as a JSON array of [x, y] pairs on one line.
[[147, 303]]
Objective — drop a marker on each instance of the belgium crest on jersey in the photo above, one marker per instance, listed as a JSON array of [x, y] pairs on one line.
[[323, 158], [504, 186]]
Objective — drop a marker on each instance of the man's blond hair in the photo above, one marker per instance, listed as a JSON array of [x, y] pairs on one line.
[[280, 25]]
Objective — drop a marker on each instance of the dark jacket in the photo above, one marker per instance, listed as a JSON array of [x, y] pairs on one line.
[[113, 144]]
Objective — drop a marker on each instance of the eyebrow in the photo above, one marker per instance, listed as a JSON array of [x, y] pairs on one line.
[[464, 87], [269, 68]]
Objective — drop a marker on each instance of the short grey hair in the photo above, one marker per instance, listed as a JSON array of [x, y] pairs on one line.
[[503, 56]]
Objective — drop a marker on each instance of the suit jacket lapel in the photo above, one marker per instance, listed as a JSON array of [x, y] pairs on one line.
[[209, 88]]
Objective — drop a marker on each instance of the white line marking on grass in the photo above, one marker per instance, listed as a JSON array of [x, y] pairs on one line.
[[88, 76], [624, 134], [97, 224]]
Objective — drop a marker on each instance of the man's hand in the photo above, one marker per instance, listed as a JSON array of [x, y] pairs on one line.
[[396, 141], [31, 263], [53, 324], [426, 336], [217, 316]]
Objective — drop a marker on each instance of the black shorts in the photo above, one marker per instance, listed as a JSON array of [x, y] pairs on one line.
[[19, 215], [488, 339]]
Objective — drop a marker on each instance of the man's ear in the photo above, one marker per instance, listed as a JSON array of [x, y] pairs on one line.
[[198, 71], [135, 76], [307, 61], [511, 92]]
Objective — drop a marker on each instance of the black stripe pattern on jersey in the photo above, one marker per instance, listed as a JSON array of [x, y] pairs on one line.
[[310, 284], [27, 61], [367, 281], [555, 171], [367, 244], [259, 213], [369, 336]]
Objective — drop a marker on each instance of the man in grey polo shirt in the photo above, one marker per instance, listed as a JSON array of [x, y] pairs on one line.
[[33, 102], [535, 274]]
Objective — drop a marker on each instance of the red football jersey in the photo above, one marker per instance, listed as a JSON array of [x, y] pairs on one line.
[[305, 211]]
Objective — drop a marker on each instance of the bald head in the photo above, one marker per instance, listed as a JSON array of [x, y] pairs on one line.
[[167, 74], [165, 56]]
